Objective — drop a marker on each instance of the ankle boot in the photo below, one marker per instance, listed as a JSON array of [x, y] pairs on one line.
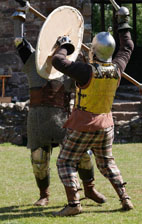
[[43, 186], [126, 204], [44, 198], [68, 210], [124, 198], [92, 193], [73, 207]]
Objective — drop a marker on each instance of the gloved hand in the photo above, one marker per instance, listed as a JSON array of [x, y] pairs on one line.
[[122, 16], [21, 2], [65, 42], [24, 6]]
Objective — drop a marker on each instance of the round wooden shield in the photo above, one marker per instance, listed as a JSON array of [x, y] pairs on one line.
[[64, 20]]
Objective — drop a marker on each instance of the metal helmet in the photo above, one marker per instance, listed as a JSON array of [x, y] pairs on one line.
[[123, 11], [103, 46]]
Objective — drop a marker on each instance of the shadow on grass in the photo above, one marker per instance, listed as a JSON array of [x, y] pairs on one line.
[[17, 212], [105, 211], [17, 208]]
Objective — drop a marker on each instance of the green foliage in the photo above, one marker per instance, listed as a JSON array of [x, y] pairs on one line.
[[18, 190], [108, 16], [108, 13], [96, 19], [139, 24]]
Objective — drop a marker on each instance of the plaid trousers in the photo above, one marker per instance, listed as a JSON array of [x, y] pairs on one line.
[[76, 143]]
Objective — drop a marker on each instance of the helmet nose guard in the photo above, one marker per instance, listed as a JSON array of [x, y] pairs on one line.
[[103, 46]]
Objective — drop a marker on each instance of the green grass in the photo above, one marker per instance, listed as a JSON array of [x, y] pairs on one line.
[[18, 190]]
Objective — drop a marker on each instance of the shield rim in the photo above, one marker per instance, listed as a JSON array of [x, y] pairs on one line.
[[41, 70]]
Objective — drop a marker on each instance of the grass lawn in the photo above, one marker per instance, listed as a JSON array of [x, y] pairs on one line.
[[18, 190]]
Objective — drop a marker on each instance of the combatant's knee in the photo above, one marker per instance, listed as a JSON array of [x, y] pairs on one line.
[[86, 167], [86, 173], [40, 161]]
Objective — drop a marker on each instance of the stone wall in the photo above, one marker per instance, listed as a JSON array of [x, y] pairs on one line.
[[13, 121], [13, 125], [128, 132]]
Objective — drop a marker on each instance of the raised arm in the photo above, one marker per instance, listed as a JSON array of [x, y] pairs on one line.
[[126, 44], [23, 47], [78, 71]]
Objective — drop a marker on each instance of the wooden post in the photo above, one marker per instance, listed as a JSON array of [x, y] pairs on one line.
[[4, 99]]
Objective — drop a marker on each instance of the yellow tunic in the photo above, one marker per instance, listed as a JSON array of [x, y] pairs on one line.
[[98, 96]]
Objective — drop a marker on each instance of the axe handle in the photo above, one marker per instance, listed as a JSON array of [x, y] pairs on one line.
[[130, 79], [85, 47], [115, 5], [34, 11], [124, 75]]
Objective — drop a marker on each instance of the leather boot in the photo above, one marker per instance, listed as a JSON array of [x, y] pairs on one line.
[[92, 193], [86, 174], [73, 207], [124, 198], [44, 198], [44, 192], [126, 204]]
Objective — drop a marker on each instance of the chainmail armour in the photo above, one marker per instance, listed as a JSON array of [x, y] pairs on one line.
[[44, 123]]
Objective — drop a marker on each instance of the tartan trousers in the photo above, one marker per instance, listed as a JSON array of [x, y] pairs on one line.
[[76, 143]]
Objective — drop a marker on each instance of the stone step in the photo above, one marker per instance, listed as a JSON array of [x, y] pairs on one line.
[[130, 106], [128, 96], [125, 116], [128, 89], [128, 92]]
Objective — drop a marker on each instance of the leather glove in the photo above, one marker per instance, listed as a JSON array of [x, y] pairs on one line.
[[122, 16], [24, 6], [65, 42], [21, 2]]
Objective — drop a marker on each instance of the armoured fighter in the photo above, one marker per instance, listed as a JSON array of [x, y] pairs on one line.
[[48, 111], [90, 125]]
